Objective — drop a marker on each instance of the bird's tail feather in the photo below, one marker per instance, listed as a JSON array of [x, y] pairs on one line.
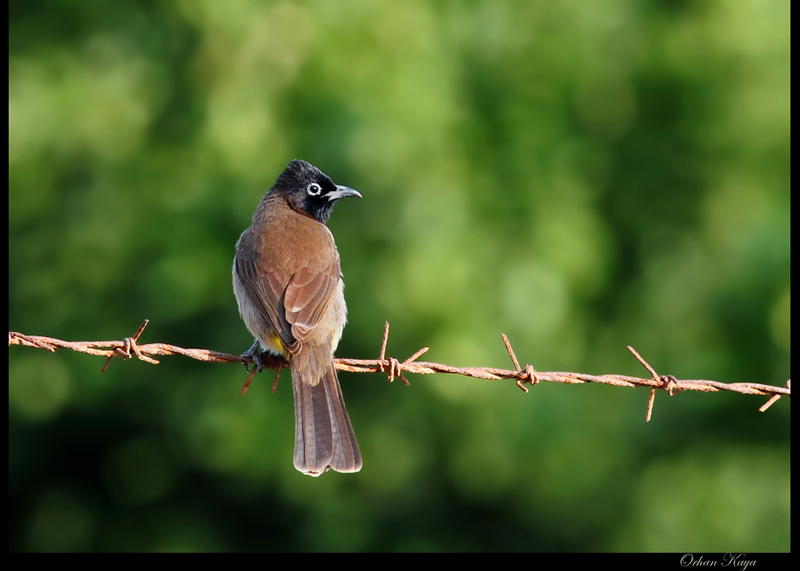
[[324, 437]]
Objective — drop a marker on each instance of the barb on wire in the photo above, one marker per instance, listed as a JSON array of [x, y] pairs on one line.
[[394, 368]]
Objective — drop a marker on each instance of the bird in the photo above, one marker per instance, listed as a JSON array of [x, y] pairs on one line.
[[288, 285]]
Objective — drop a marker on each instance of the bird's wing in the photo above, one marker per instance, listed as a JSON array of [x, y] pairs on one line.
[[292, 304], [309, 294], [265, 287]]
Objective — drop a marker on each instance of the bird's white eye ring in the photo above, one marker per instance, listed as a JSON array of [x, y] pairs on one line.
[[313, 189]]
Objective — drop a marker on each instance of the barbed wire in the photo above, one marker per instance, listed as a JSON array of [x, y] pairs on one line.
[[395, 368]]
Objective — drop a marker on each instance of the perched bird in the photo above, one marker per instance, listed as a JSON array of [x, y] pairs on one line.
[[288, 283]]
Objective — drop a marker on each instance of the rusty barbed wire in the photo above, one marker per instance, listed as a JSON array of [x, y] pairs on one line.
[[395, 368]]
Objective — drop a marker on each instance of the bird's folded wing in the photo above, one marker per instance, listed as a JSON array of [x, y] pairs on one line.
[[265, 289], [308, 296]]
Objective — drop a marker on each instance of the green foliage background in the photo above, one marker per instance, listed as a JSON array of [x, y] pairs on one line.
[[578, 175]]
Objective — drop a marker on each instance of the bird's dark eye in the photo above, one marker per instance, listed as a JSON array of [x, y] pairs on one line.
[[313, 189]]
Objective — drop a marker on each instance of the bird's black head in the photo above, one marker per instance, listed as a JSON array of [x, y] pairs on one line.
[[309, 190]]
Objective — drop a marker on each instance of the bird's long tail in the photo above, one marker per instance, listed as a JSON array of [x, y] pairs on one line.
[[324, 437]]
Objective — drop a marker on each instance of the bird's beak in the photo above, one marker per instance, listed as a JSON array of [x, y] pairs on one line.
[[342, 192]]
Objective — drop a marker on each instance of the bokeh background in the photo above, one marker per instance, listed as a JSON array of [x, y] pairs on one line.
[[578, 175]]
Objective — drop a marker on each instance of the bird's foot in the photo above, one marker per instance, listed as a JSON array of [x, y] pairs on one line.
[[253, 354]]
